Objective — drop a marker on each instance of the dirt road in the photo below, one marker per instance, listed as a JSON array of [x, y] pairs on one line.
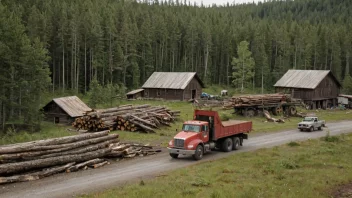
[[68, 185]]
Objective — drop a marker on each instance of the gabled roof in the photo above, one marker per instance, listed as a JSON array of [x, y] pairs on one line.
[[306, 79], [134, 91], [171, 80], [72, 105]]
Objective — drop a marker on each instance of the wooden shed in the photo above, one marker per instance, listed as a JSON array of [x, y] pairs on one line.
[[317, 88], [65, 109], [138, 93], [173, 86]]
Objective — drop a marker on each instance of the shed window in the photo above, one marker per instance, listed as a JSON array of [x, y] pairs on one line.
[[158, 92], [146, 93]]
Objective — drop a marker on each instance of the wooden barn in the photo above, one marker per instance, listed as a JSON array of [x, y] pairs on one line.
[[65, 109], [316, 88], [173, 86], [138, 93]]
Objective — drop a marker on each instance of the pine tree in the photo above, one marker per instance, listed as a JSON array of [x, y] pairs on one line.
[[243, 66]]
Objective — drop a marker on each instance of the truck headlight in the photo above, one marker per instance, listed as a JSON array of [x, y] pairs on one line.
[[190, 146], [170, 143]]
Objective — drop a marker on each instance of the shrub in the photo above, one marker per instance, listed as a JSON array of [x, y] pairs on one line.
[[329, 138], [292, 144]]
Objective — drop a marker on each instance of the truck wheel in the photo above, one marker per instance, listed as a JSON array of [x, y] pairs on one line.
[[227, 145], [174, 155], [300, 129], [311, 129], [319, 128], [236, 143], [199, 153]]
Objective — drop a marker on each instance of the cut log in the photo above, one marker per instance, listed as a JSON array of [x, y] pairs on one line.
[[87, 163], [36, 175], [146, 128], [28, 146], [41, 163], [44, 150], [144, 121], [78, 150], [100, 164]]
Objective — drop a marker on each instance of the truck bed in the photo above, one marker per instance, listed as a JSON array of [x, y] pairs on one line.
[[232, 122], [226, 128]]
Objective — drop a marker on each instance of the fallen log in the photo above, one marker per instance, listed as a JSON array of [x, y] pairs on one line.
[[87, 163], [24, 147], [43, 150], [100, 164], [115, 154], [146, 128], [36, 175], [79, 150], [53, 161], [144, 121]]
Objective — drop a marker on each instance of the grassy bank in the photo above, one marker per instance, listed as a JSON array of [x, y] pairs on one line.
[[165, 133], [299, 169]]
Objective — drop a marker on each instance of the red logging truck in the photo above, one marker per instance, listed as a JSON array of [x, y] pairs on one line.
[[207, 132]]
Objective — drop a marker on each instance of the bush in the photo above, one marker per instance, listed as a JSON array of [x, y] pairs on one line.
[[328, 138], [289, 164], [292, 144]]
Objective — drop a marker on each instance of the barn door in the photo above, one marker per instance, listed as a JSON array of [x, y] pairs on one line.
[[194, 92]]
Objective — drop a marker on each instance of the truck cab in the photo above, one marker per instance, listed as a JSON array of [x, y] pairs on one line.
[[206, 132]]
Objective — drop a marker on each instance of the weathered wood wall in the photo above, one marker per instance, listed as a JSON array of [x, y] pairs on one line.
[[136, 95], [193, 85], [167, 94], [52, 111], [328, 88], [175, 94]]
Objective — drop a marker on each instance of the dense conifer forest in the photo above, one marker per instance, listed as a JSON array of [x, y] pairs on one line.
[[51, 45]]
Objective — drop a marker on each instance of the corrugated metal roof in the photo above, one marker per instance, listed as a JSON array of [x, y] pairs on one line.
[[346, 96], [134, 91], [307, 79], [170, 80], [72, 105]]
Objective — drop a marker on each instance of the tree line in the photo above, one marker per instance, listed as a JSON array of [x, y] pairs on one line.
[[49, 45]]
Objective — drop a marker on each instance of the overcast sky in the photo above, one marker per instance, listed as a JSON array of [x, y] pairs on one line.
[[222, 2]]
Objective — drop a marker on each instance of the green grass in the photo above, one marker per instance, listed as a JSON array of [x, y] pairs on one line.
[[48, 130], [314, 168], [164, 134]]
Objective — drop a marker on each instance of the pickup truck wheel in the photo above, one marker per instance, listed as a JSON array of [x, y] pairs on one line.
[[311, 129], [300, 129], [199, 153], [236, 143], [227, 145], [319, 128], [174, 155]]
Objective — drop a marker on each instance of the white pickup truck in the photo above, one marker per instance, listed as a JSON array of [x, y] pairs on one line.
[[311, 124]]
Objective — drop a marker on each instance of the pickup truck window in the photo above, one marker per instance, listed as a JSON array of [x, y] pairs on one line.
[[190, 127], [308, 120]]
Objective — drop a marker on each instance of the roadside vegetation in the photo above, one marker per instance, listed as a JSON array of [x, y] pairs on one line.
[[314, 168]]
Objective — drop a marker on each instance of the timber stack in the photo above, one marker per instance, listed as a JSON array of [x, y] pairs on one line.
[[263, 99], [143, 118], [35, 160], [252, 105]]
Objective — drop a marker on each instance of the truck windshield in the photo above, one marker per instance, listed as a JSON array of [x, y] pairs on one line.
[[308, 120], [189, 127]]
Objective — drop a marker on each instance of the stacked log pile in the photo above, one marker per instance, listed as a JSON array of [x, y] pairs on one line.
[[143, 118], [35, 160], [251, 100]]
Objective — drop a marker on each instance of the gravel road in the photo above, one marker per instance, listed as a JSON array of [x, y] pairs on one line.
[[82, 182]]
